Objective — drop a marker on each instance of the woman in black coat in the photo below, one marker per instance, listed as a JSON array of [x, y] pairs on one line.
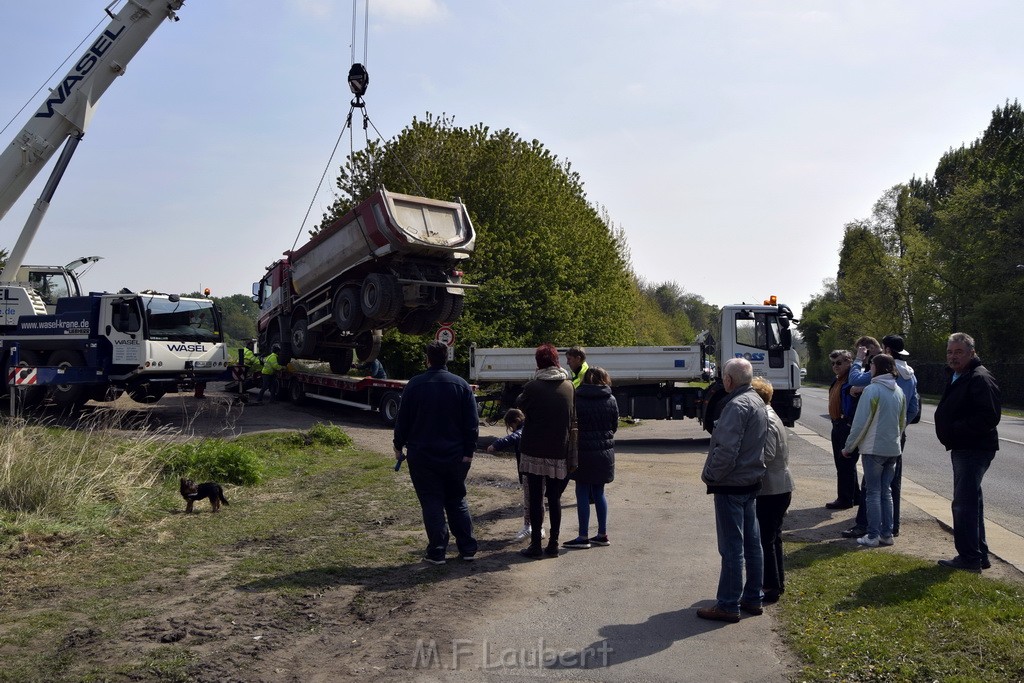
[[597, 417]]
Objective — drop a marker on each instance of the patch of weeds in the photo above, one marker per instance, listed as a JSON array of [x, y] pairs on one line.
[[874, 616], [226, 462], [324, 434], [171, 664]]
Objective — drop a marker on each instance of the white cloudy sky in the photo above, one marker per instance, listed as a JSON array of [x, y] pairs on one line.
[[732, 140]]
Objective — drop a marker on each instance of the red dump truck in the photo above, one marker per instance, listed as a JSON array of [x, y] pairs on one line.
[[392, 261]]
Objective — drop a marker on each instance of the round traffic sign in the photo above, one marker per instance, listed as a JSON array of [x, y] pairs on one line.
[[445, 335]]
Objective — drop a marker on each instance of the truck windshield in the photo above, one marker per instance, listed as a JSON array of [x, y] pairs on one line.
[[182, 320], [758, 330]]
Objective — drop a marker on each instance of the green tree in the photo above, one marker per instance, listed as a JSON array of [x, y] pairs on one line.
[[550, 265]]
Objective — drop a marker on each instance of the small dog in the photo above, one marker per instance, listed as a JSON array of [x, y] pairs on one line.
[[192, 492]]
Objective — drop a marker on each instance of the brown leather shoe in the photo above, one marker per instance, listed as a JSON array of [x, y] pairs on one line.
[[716, 614]]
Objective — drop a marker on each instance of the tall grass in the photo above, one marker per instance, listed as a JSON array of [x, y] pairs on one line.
[[63, 474]]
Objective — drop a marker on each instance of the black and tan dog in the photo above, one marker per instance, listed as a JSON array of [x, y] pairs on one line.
[[192, 492]]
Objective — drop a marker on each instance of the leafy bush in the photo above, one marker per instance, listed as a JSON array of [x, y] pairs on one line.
[[221, 461]]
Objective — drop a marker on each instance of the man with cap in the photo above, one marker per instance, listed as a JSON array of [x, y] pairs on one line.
[[892, 345]]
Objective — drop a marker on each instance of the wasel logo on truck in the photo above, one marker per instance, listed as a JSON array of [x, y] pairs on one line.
[[82, 69], [189, 348]]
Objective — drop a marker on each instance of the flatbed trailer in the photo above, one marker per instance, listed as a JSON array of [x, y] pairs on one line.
[[363, 393]]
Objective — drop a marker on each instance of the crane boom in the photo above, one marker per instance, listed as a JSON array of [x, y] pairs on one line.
[[67, 110]]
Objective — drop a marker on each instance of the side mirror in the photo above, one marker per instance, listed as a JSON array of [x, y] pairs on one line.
[[787, 338]]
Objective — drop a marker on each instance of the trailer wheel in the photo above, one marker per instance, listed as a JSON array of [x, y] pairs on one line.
[[381, 297], [340, 361], [68, 396], [389, 405], [296, 392], [348, 311]]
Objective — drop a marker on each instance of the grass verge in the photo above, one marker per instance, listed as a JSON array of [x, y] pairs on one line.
[[93, 603], [878, 616]]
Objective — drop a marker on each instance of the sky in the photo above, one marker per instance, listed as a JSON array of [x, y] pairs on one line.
[[731, 141]]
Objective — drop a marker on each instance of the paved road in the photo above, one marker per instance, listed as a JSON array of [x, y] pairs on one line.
[[926, 462]]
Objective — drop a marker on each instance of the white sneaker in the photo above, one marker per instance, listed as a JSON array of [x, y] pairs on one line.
[[524, 532], [886, 540], [868, 540]]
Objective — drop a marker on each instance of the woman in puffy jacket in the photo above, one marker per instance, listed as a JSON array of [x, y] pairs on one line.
[[597, 417]]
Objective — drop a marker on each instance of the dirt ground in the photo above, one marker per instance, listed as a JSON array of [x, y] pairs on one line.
[[341, 631]]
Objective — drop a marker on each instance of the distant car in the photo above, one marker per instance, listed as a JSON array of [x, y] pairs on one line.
[[803, 373]]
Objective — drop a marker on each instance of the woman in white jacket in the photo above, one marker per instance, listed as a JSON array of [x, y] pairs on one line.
[[878, 423]]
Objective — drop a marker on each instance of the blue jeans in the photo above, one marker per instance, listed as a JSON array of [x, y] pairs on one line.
[[847, 490], [584, 494], [739, 544], [969, 468], [879, 471], [441, 488]]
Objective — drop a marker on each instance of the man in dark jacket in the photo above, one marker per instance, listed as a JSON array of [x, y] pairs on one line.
[[965, 422], [437, 424], [733, 472]]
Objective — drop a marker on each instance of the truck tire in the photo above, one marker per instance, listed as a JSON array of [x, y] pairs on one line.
[[416, 322], [68, 396], [340, 361], [31, 397], [303, 342], [104, 393], [389, 405], [448, 308], [348, 311], [381, 297], [368, 346], [146, 392], [296, 392]]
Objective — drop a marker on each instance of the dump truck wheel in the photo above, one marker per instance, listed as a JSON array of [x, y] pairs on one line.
[[303, 341], [416, 322], [449, 307], [368, 346], [340, 361], [348, 311], [381, 297]]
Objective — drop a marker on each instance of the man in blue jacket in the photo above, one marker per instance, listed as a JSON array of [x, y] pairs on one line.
[[965, 422], [437, 425]]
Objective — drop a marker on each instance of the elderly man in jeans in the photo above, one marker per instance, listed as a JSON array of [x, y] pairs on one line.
[[733, 472], [965, 422]]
